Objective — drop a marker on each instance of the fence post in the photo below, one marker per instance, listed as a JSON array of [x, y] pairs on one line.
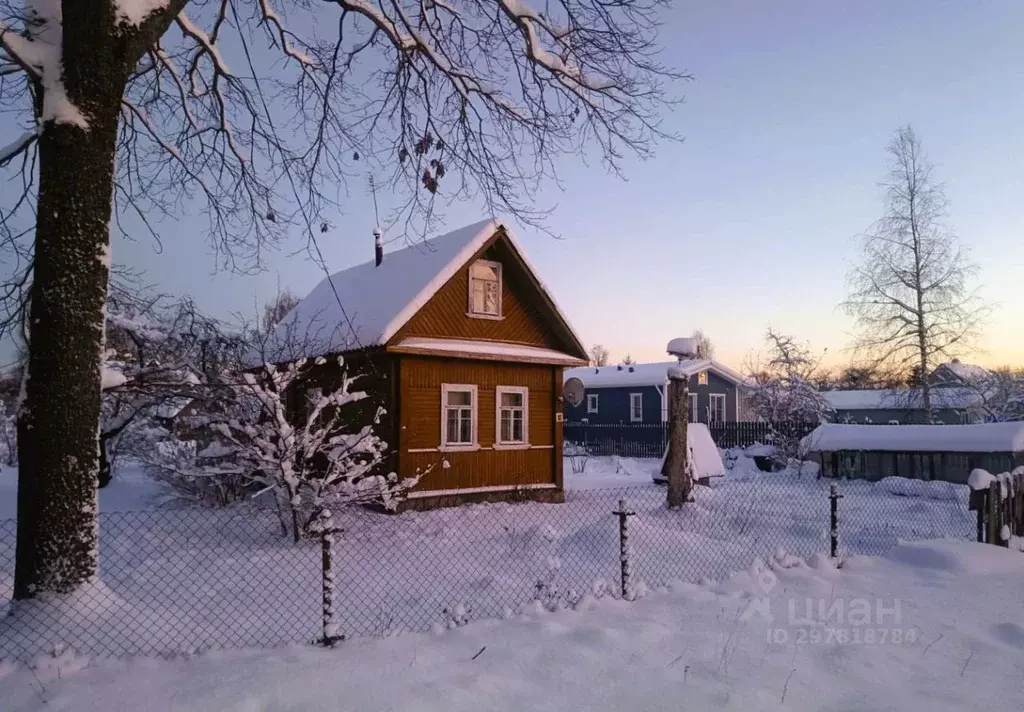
[[834, 498], [624, 550], [992, 535], [331, 633]]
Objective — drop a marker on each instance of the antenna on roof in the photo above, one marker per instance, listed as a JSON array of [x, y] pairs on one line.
[[378, 236]]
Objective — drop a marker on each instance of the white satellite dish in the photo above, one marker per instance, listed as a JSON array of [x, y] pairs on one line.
[[572, 391]]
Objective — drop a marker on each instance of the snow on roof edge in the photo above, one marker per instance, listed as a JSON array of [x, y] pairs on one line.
[[439, 280], [988, 437]]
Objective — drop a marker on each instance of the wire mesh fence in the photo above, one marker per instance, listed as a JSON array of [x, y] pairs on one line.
[[185, 580]]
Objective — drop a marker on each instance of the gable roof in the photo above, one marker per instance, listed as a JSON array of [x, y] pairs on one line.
[[958, 372], [647, 374], [367, 305]]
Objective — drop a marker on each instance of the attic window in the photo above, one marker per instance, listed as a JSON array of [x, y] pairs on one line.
[[485, 289]]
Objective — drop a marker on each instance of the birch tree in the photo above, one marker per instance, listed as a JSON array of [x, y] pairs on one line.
[[911, 295], [256, 112]]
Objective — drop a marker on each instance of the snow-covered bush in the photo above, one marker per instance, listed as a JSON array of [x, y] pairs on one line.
[[309, 459], [783, 390]]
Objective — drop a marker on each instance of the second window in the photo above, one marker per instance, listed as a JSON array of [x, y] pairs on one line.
[[513, 415]]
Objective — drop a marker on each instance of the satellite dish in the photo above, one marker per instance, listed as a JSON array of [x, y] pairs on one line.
[[684, 347], [572, 391]]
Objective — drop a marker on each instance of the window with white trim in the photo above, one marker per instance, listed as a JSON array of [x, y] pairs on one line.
[[716, 414], [458, 415], [591, 402], [512, 419], [485, 289], [693, 408], [636, 407]]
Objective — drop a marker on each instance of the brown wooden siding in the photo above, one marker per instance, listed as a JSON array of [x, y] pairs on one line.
[[445, 315], [420, 418]]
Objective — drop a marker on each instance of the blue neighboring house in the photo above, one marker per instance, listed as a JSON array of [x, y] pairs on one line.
[[637, 393]]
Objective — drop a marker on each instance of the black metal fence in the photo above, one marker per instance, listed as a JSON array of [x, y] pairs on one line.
[[651, 439], [180, 581]]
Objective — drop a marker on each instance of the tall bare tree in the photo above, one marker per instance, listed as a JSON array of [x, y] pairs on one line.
[[599, 355], [910, 296], [258, 110]]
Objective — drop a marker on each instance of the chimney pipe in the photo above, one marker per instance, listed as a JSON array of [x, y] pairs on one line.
[[378, 245]]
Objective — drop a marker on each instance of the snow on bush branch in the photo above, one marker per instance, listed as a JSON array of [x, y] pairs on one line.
[[312, 458]]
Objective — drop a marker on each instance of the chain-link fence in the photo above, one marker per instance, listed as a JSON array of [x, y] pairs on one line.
[[183, 580]]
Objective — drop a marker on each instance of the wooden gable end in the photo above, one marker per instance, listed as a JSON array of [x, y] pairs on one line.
[[525, 318]]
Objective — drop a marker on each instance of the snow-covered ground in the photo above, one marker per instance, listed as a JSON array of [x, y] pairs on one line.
[[193, 579], [131, 490], [930, 626]]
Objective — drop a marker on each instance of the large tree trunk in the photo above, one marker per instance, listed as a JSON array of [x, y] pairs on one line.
[[58, 429]]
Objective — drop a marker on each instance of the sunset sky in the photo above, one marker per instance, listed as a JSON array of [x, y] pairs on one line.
[[750, 222]]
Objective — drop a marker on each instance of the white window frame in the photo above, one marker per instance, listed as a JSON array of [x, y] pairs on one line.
[[711, 408], [470, 311], [499, 443], [693, 415], [632, 414], [447, 388], [596, 404]]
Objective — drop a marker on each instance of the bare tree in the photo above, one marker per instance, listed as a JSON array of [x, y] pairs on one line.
[[628, 360], [275, 311], [259, 114], [599, 355], [911, 296], [705, 349]]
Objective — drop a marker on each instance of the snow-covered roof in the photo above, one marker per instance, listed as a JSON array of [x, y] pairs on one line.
[[963, 371], [646, 374], [493, 349], [953, 398], [990, 437], [367, 304]]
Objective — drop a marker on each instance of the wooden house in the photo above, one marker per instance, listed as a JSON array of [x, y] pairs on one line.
[[462, 345]]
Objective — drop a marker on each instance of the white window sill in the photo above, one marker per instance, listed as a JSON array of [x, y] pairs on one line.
[[492, 317], [511, 446], [459, 448]]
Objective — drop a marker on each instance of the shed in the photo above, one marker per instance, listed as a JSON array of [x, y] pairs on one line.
[[926, 452]]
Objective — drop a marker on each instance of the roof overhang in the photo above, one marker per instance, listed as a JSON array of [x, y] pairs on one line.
[[484, 351]]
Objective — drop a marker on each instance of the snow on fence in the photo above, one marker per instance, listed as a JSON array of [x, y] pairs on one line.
[[999, 503], [178, 581]]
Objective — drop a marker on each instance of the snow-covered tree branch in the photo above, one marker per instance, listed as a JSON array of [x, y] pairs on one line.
[[256, 112]]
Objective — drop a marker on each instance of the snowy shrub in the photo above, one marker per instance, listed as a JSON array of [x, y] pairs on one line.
[[457, 615], [577, 456], [783, 390], [309, 459]]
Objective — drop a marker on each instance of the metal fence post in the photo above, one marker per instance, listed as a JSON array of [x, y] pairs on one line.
[[331, 632], [834, 498], [624, 551]]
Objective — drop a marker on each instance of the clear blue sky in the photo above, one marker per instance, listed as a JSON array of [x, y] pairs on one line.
[[750, 221]]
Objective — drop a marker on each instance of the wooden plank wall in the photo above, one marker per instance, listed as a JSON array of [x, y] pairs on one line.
[[445, 314], [420, 418]]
